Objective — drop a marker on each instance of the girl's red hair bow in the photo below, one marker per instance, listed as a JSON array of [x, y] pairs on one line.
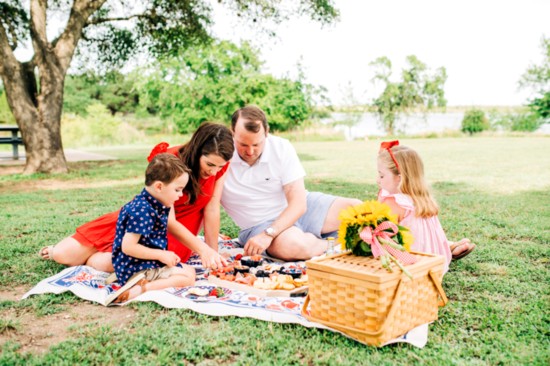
[[387, 145]]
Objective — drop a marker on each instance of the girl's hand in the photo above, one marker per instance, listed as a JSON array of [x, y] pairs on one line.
[[171, 259], [211, 259]]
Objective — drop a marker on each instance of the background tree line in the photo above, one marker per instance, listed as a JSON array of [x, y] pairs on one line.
[[202, 83]]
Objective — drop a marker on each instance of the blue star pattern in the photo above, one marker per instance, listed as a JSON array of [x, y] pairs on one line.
[[146, 216]]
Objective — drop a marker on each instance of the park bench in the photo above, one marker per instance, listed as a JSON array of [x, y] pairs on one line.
[[14, 140]]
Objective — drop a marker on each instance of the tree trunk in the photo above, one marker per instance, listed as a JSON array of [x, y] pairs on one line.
[[38, 117], [43, 145]]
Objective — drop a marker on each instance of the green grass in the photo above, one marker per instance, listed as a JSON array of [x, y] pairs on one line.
[[494, 190]]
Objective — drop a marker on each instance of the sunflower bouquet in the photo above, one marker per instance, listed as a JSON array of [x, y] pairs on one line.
[[370, 228]]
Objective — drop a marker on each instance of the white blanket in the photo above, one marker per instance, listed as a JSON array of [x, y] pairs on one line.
[[89, 284]]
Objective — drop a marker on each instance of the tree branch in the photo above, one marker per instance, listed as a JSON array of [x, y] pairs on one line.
[[38, 24], [7, 58], [66, 43], [116, 19]]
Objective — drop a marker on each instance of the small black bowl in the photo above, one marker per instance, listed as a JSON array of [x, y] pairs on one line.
[[262, 273], [242, 269], [294, 272], [247, 261]]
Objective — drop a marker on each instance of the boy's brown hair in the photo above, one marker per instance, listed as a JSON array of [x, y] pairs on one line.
[[164, 168]]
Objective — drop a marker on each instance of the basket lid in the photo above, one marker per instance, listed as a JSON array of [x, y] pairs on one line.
[[370, 269]]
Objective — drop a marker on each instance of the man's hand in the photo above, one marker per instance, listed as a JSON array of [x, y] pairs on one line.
[[257, 244], [211, 259], [169, 258]]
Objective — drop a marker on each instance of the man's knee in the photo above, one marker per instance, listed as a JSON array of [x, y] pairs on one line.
[[345, 202]]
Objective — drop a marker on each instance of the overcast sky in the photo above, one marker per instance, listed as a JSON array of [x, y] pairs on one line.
[[485, 45]]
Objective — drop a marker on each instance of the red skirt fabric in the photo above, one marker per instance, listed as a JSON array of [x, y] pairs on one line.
[[100, 234]]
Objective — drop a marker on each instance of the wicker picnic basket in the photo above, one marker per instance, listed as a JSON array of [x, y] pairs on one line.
[[358, 297]]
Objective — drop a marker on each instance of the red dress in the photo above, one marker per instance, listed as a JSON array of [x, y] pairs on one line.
[[100, 233]]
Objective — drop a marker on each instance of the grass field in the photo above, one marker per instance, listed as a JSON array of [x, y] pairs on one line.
[[495, 191]]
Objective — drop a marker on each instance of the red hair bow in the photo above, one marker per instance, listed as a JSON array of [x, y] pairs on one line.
[[159, 149], [387, 145]]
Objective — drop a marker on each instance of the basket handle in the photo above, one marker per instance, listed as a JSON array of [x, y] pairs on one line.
[[443, 300]]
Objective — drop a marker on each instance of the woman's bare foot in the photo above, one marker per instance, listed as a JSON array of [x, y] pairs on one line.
[[46, 252], [461, 248]]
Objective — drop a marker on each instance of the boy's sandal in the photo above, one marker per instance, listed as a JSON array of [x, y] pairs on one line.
[[464, 253], [126, 294], [47, 249]]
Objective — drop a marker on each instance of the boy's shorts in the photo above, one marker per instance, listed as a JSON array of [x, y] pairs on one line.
[[160, 273], [151, 274], [312, 221]]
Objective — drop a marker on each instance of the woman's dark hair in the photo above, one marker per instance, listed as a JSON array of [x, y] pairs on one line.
[[209, 138]]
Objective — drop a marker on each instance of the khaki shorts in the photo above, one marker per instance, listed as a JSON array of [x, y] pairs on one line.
[[161, 273], [151, 274]]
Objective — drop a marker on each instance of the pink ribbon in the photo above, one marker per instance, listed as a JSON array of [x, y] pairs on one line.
[[371, 236]]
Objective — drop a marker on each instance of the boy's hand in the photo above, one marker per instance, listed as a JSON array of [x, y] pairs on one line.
[[169, 258], [211, 259]]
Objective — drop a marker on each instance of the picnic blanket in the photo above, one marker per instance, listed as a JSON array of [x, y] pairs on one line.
[[89, 284]]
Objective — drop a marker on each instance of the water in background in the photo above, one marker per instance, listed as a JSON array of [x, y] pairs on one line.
[[368, 124]]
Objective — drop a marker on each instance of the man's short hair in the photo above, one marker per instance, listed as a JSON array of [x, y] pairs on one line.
[[251, 115]]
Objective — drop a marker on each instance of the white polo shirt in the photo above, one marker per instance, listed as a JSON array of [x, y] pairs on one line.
[[254, 194]]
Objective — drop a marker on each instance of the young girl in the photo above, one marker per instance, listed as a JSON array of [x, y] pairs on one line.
[[140, 245], [403, 188]]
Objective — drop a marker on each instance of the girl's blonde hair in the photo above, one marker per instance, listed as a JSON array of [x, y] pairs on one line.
[[412, 182]]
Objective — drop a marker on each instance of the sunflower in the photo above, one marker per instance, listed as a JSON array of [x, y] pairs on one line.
[[369, 213]]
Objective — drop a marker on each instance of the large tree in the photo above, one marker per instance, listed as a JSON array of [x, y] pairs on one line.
[[106, 31], [418, 88]]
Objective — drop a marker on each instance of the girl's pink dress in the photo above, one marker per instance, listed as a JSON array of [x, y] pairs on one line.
[[428, 233]]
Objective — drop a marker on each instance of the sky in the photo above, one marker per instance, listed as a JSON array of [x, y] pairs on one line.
[[485, 45]]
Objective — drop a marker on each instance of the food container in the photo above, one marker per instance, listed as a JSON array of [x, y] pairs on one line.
[[242, 269], [358, 297], [253, 261]]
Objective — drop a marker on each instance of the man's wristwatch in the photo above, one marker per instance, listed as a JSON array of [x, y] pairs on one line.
[[270, 232]]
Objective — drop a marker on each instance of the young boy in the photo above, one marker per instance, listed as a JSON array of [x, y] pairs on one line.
[[140, 246]]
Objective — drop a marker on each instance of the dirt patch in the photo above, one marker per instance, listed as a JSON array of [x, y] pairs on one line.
[[54, 184], [36, 334], [10, 170]]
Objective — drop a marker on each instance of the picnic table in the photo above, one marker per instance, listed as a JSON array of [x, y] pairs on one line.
[[15, 140]]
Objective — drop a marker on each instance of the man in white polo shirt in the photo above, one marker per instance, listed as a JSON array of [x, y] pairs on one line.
[[264, 193]]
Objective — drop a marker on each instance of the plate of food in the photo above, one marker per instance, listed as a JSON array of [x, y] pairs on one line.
[[264, 279]]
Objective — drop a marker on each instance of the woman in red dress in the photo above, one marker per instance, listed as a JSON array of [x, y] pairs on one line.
[[207, 154]]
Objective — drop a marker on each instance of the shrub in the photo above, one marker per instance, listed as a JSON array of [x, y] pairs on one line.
[[99, 128], [474, 121], [528, 122], [524, 122]]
